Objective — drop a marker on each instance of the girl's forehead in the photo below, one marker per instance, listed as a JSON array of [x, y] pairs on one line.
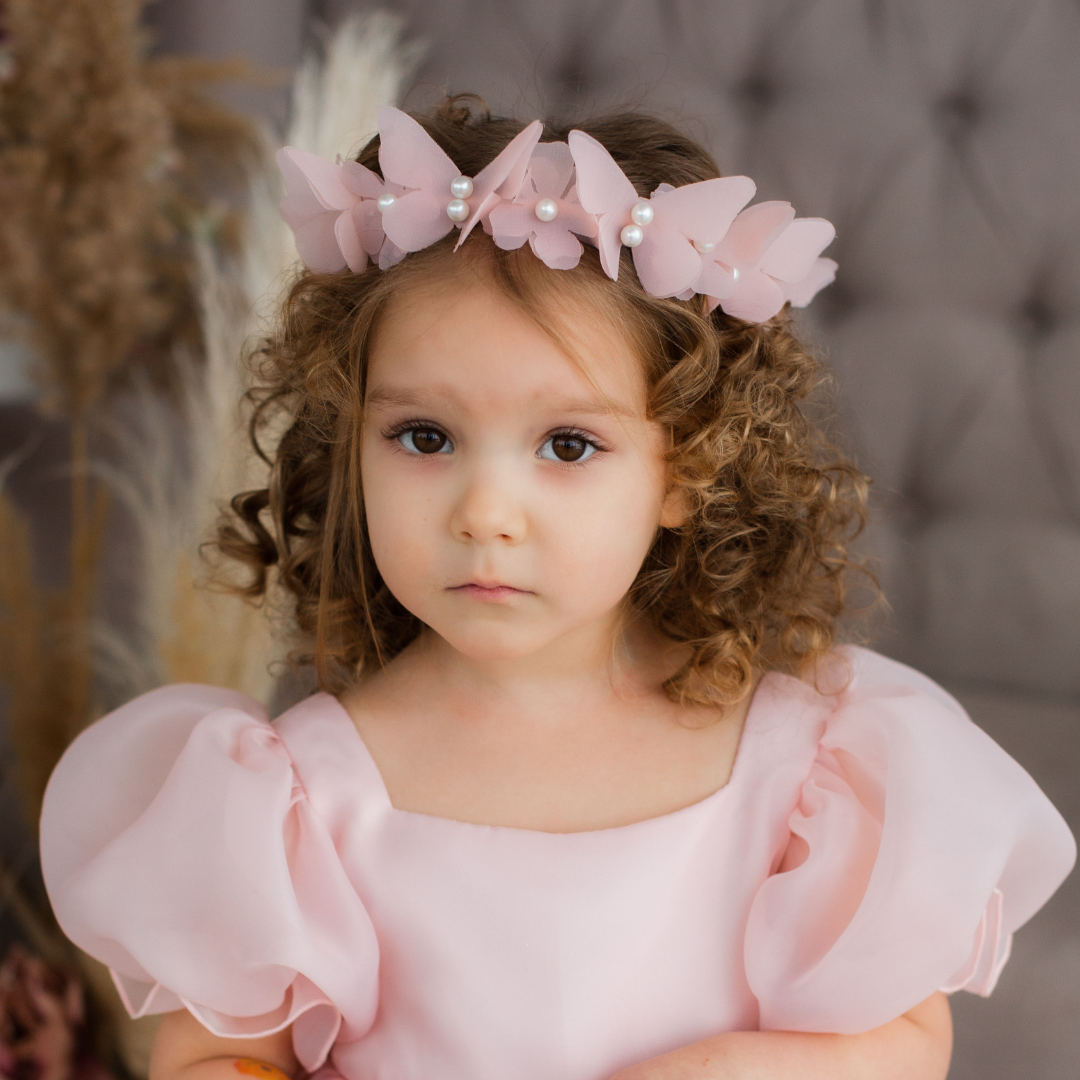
[[467, 340]]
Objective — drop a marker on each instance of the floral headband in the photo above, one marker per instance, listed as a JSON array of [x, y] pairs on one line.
[[697, 238]]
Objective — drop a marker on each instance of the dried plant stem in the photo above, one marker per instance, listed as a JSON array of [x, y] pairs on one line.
[[46, 660], [89, 508], [22, 652]]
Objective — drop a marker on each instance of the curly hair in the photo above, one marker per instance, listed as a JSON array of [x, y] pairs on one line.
[[753, 580]]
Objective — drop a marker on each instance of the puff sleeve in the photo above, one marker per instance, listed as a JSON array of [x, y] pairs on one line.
[[916, 848], [179, 848]]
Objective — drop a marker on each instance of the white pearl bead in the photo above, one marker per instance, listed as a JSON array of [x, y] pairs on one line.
[[546, 209], [461, 188], [703, 247], [642, 214], [735, 274], [457, 209], [385, 202], [632, 235]]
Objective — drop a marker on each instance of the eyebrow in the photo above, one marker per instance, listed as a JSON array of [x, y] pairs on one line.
[[391, 396], [401, 397]]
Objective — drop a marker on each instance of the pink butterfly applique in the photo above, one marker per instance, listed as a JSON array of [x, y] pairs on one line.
[[668, 231], [768, 258], [333, 212], [433, 195], [546, 211]]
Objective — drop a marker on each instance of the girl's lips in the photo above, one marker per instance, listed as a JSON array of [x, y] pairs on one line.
[[490, 593]]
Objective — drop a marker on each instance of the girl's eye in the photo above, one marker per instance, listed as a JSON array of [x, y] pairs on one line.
[[567, 447], [421, 440]]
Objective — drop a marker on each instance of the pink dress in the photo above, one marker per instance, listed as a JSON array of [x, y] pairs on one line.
[[871, 847]]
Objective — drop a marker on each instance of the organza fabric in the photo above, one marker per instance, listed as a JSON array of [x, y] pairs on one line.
[[872, 846]]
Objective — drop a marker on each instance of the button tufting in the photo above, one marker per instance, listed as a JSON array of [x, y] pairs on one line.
[[572, 74], [957, 113], [757, 93], [1035, 319]]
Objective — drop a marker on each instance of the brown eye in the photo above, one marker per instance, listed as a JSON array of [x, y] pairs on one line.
[[567, 448], [424, 440]]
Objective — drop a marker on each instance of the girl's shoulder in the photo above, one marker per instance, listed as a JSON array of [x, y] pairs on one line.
[[180, 848], [858, 701], [910, 843]]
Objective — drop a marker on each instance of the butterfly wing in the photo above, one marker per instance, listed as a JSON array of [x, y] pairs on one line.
[[307, 208], [793, 253], [410, 157], [604, 190], [502, 178], [667, 262]]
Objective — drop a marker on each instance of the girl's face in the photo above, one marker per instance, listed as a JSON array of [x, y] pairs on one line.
[[510, 499]]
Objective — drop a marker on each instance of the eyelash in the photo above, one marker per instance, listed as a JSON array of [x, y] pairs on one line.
[[394, 434]]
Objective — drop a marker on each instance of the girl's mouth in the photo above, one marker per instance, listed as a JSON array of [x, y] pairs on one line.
[[490, 592]]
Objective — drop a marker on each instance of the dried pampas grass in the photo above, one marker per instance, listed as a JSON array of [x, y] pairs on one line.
[[104, 159], [84, 151], [115, 262], [180, 461], [337, 93], [44, 665], [175, 462]]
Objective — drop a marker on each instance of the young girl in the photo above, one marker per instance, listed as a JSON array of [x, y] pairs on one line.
[[589, 791]]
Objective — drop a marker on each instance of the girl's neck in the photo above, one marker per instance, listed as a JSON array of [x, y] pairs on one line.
[[587, 669]]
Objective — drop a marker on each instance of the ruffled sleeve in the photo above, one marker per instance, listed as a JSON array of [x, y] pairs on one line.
[[179, 848], [916, 848]]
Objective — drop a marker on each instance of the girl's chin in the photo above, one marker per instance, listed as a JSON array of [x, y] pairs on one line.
[[490, 649], [495, 640]]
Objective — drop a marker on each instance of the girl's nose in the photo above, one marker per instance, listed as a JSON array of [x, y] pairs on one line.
[[489, 509]]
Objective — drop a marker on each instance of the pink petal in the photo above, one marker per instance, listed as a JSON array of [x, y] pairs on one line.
[[322, 177], [300, 202], [550, 169], [716, 280], [576, 218], [703, 211], [556, 246], [409, 156], [610, 244], [312, 224], [511, 225], [501, 178], [348, 241], [602, 186], [416, 220], [800, 293], [317, 245], [368, 221], [297, 210], [666, 262], [756, 298], [752, 232], [390, 255], [792, 253], [362, 181]]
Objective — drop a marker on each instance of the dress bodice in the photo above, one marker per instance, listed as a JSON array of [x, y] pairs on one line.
[[871, 847]]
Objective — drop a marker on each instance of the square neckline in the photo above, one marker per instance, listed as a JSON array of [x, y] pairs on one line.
[[738, 767]]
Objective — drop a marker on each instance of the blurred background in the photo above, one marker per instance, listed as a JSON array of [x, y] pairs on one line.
[[139, 250]]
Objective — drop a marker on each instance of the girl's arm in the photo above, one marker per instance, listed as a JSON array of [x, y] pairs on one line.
[[184, 1050], [915, 1046]]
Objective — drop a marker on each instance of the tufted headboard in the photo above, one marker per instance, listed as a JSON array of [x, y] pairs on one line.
[[943, 139]]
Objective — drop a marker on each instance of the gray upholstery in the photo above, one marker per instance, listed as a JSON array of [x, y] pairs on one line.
[[943, 139]]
